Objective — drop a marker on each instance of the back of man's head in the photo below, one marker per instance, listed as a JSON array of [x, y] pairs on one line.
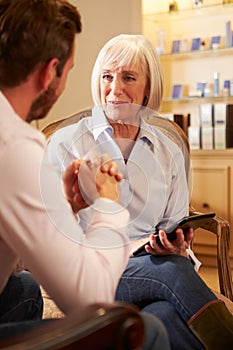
[[31, 33]]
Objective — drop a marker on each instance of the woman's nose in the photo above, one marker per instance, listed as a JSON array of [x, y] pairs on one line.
[[117, 86]]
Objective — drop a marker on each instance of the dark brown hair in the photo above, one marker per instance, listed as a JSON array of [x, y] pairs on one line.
[[33, 32]]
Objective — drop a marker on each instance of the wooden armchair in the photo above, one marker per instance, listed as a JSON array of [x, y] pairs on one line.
[[104, 326], [218, 226]]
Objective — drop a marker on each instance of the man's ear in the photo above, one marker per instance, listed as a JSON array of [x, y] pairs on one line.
[[48, 73]]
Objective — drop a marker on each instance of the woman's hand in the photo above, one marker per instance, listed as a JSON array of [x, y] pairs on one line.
[[178, 246], [87, 179], [99, 177]]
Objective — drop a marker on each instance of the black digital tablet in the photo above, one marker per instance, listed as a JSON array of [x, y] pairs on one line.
[[193, 221]]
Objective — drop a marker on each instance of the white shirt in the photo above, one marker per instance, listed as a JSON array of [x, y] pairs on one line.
[[38, 226]]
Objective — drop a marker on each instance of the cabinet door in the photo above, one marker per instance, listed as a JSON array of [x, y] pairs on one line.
[[211, 193]]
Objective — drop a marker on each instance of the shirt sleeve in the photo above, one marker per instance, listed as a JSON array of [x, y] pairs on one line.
[[37, 224]]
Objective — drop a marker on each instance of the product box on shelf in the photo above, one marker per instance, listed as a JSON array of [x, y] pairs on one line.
[[219, 112], [216, 127], [206, 114], [220, 137], [194, 137], [207, 137], [229, 126], [223, 119]]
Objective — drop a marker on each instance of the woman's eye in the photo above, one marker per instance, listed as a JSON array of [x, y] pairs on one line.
[[129, 78], [106, 77]]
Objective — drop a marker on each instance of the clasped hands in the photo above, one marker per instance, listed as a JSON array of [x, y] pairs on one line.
[[97, 176], [91, 177]]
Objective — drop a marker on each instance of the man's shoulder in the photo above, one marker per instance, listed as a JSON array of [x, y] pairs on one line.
[[17, 129]]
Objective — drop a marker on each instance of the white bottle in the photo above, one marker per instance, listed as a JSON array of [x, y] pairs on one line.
[[160, 47], [216, 84], [228, 34]]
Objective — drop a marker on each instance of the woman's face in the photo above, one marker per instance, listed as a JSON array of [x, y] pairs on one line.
[[122, 88]]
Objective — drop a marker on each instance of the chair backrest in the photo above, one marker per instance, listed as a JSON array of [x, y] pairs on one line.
[[174, 132], [168, 127], [49, 129]]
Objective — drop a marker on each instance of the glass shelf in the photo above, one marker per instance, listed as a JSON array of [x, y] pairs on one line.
[[203, 11], [197, 54], [198, 99]]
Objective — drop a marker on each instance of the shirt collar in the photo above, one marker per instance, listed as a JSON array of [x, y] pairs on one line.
[[6, 107], [9, 116], [146, 132], [100, 124]]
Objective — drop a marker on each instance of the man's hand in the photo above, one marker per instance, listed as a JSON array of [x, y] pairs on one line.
[[178, 246], [87, 179], [99, 177], [71, 188]]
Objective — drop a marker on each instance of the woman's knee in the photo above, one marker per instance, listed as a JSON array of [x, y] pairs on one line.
[[156, 336]]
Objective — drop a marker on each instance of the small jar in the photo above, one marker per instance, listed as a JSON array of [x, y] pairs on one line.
[[226, 88], [197, 3], [173, 6]]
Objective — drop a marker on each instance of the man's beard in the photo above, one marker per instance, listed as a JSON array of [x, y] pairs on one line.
[[43, 103]]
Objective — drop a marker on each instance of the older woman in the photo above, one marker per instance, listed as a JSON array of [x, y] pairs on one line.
[[127, 87]]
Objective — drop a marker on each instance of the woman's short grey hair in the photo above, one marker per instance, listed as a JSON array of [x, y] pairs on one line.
[[129, 50]]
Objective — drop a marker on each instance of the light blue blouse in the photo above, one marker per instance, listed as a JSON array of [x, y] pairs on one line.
[[154, 188]]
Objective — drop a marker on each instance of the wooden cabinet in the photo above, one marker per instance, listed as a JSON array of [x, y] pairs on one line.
[[212, 190]]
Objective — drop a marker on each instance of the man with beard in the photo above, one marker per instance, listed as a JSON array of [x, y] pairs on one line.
[[37, 225]]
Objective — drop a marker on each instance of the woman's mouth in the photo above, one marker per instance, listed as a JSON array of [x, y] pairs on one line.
[[116, 102]]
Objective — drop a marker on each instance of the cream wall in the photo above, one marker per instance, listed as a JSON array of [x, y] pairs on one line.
[[102, 19]]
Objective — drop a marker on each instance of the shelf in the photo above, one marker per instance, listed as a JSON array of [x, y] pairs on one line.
[[198, 99], [197, 54], [215, 153], [187, 13]]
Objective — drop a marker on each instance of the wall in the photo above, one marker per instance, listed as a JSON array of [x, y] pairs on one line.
[[102, 20]]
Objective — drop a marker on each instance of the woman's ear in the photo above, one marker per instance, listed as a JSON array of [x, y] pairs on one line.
[[48, 73]]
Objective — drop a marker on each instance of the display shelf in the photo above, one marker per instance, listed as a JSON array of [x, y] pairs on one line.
[[214, 153], [206, 53], [187, 13], [198, 99]]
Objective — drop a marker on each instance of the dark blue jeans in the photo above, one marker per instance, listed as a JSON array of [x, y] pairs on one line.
[[21, 301], [169, 288], [21, 308], [156, 337]]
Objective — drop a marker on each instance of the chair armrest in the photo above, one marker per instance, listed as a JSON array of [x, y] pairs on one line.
[[221, 228], [104, 326]]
